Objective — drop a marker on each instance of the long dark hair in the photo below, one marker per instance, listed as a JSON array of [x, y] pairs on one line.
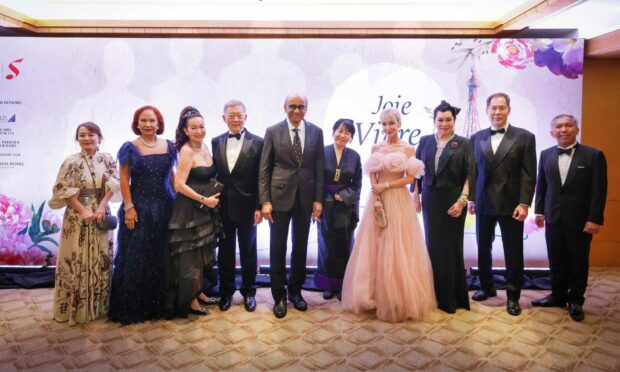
[[186, 114]]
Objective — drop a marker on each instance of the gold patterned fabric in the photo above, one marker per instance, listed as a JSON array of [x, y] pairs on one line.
[[84, 262]]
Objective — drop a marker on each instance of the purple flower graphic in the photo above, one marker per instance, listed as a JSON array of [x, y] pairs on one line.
[[561, 56], [513, 53]]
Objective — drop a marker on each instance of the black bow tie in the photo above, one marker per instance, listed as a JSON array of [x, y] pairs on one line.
[[503, 130], [237, 135], [565, 151]]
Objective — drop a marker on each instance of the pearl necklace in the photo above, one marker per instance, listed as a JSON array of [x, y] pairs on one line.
[[148, 144]]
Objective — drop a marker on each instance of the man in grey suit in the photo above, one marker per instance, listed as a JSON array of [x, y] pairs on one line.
[[291, 188], [506, 161]]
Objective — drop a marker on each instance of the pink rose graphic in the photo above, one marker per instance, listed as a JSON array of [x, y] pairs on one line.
[[13, 214], [513, 53]]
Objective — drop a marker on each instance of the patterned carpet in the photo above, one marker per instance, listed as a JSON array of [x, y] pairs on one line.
[[323, 338]]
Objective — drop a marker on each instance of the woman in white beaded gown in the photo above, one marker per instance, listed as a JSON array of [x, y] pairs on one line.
[[389, 269]]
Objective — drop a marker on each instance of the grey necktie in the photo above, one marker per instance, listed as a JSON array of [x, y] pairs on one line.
[[297, 145]]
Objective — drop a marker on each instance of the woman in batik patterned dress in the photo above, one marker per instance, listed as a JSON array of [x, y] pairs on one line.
[[84, 262]]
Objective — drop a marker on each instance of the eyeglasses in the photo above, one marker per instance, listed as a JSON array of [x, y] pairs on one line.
[[297, 107]]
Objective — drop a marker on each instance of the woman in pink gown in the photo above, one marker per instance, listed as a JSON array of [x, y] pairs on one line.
[[389, 269]]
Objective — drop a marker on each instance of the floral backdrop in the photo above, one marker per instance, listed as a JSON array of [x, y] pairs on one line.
[[105, 80]]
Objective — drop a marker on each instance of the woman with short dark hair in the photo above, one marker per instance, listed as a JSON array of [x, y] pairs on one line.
[[343, 184], [85, 183]]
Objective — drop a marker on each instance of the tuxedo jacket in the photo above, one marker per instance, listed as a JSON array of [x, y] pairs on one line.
[[508, 177], [239, 199], [281, 178], [456, 164], [582, 197]]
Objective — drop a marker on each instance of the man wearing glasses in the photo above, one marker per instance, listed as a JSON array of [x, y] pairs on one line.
[[291, 188]]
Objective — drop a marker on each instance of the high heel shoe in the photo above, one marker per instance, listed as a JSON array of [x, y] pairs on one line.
[[199, 311]]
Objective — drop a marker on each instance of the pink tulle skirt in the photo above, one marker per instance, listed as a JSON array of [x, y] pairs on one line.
[[389, 269]]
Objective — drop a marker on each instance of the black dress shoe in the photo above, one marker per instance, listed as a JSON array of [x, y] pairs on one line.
[[328, 295], [298, 302], [249, 303], [225, 303], [211, 301], [482, 295], [513, 307], [549, 301], [279, 309], [199, 311], [576, 312]]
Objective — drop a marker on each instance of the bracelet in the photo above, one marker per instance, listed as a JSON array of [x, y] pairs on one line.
[[465, 195], [128, 206]]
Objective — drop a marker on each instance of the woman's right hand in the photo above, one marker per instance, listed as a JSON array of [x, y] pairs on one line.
[[211, 201], [88, 215], [131, 217], [416, 202]]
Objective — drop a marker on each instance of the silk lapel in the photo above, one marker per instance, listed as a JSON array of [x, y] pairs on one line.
[[429, 154], [446, 154], [245, 147], [505, 145], [554, 169], [222, 151], [574, 163], [485, 146]]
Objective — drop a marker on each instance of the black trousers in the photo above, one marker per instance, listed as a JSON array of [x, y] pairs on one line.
[[512, 239], [569, 253], [246, 238], [277, 249]]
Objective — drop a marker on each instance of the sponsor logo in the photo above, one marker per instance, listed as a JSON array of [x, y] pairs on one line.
[[7, 118], [12, 70]]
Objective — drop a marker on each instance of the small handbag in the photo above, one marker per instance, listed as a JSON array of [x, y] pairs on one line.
[[109, 221], [381, 218], [210, 189]]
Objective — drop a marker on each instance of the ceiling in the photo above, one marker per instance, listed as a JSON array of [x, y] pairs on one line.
[[589, 19]]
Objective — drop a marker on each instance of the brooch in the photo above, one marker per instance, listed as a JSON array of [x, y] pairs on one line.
[[454, 145]]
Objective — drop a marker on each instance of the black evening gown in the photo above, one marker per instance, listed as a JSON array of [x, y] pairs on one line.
[[138, 279], [444, 234], [339, 220], [193, 238]]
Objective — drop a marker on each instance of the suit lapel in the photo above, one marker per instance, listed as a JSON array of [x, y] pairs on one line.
[[554, 169], [505, 145], [430, 152], [574, 163], [222, 151], [485, 146], [245, 147], [446, 154]]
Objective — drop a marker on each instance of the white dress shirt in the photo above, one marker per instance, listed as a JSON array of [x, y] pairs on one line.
[[233, 148], [301, 132], [564, 161], [496, 139]]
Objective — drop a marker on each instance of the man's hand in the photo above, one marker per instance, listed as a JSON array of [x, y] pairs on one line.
[[317, 208], [471, 207], [266, 211], [540, 221], [520, 213], [258, 217], [592, 228]]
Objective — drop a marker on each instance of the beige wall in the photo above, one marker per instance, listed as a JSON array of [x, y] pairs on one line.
[[601, 129]]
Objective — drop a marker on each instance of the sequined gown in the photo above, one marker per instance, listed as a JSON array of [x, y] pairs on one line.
[[138, 280], [389, 269]]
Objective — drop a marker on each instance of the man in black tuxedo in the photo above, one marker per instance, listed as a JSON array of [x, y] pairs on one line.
[[291, 188], [570, 198], [236, 154], [506, 161]]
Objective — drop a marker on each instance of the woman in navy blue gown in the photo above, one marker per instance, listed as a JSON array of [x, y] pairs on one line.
[[343, 184], [138, 280]]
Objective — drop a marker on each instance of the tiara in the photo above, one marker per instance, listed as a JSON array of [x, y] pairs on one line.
[[191, 112]]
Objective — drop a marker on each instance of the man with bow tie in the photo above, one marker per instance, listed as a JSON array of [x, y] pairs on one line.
[[506, 161], [236, 154], [291, 190], [570, 200]]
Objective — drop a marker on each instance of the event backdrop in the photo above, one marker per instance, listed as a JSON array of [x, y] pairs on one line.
[[49, 85]]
